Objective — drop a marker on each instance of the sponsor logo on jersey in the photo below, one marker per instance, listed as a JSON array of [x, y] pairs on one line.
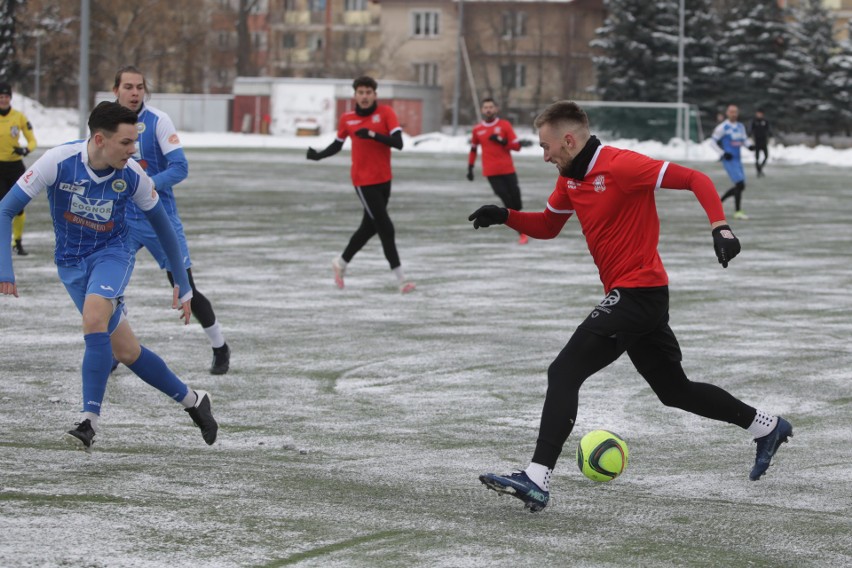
[[353, 122], [570, 184], [118, 186], [600, 186], [173, 139], [143, 163], [140, 127], [27, 177], [99, 210], [77, 187]]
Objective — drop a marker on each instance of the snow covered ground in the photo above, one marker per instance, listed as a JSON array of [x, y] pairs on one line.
[[56, 126]]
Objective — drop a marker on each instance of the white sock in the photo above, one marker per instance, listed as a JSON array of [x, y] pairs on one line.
[[540, 475], [190, 399], [92, 418], [214, 333], [342, 263], [399, 274], [763, 424]]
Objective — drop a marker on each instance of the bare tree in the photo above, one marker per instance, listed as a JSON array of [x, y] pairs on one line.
[[246, 66]]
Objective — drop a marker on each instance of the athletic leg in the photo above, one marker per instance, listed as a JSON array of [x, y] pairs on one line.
[[585, 354], [375, 199], [362, 234]]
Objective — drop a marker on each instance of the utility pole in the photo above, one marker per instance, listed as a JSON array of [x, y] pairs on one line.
[[85, 17], [456, 87]]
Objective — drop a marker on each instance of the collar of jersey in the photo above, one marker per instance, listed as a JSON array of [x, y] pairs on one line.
[[580, 164], [492, 123]]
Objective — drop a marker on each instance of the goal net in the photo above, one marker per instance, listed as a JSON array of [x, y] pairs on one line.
[[644, 121]]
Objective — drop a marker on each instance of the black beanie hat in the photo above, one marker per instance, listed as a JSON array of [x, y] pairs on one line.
[[5, 89]]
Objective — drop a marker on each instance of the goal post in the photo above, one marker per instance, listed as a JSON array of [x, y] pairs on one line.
[[644, 121]]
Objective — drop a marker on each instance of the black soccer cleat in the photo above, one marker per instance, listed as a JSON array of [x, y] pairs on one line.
[[81, 437], [518, 484], [221, 360], [768, 445], [202, 415], [19, 249]]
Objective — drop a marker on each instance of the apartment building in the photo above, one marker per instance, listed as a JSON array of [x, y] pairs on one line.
[[323, 38], [524, 53]]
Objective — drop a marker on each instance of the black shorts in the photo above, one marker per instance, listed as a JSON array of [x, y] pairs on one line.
[[9, 174], [636, 317]]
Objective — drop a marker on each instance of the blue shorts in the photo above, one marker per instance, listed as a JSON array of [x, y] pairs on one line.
[[142, 234], [103, 273], [735, 170]]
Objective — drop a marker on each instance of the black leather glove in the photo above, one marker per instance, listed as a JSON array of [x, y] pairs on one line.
[[497, 139], [726, 244], [751, 147], [727, 156], [313, 154], [365, 133], [21, 151], [488, 215], [470, 173], [525, 143]]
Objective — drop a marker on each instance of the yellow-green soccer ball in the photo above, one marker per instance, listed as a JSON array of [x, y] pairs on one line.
[[602, 455]]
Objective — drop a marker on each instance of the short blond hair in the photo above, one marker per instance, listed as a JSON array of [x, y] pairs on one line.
[[563, 112]]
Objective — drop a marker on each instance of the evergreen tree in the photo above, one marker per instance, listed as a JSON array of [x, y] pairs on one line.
[[839, 83], [9, 69], [811, 45], [702, 70], [638, 51], [752, 48]]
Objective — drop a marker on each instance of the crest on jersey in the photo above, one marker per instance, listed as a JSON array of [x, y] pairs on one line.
[[15, 132], [377, 118], [600, 186], [119, 185], [140, 127]]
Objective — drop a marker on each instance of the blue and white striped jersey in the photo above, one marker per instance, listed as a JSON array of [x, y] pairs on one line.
[[88, 207], [159, 152], [730, 137]]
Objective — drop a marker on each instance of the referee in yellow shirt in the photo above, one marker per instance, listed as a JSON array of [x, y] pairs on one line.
[[13, 123]]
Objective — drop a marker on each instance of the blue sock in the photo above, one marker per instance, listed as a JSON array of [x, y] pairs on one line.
[[97, 361], [154, 371]]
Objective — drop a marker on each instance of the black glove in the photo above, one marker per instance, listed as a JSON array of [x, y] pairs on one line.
[[751, 147], [21, 151], [313, 154], [525, 143], [497, 139], [470, 173], [365, 133], [726, 244], [488, 215], [727, 156]]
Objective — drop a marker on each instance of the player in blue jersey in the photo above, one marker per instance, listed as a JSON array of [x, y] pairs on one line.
[[161, 156], [730, 136], [89, 184]]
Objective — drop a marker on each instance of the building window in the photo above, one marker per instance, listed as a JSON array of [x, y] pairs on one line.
[[355, 5], [290, 5], [223, 39], [514, 24], [354, 40], [315, 42], [425, 23], [426, 73], [288, 41], [513, 76], [223, 76], [317, 5]]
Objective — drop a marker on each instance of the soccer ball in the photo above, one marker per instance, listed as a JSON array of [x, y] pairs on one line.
[[602, 455]]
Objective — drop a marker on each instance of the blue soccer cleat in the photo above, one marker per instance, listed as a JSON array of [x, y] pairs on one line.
[[518, 485], [768, 445]]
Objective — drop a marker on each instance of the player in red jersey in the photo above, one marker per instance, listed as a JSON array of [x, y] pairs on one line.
[[374, 130], [498, 139], [612, 193]]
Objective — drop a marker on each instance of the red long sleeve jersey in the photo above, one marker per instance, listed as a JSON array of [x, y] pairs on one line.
[[496, 158], [371, 160], [615, 205]]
